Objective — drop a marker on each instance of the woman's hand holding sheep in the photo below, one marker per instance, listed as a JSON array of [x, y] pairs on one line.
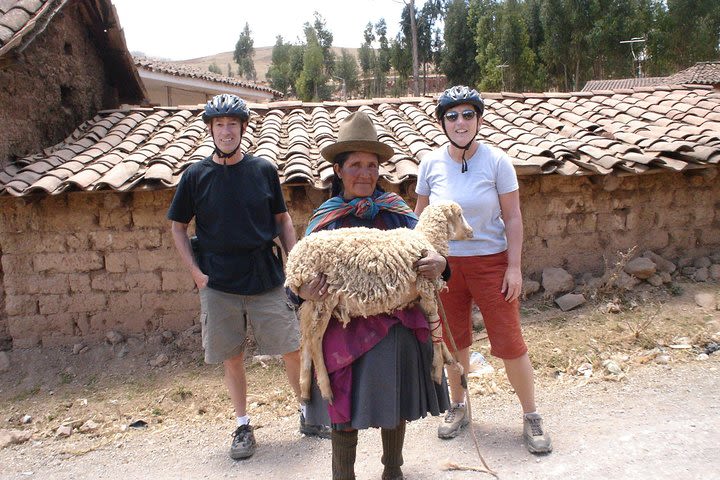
[[432, 265], [315, 290], [512, 284]]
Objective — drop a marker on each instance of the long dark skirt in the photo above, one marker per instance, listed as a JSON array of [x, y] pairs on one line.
[[390, 383]]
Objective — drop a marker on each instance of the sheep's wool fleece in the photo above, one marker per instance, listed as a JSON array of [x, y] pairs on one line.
[[354, 259]]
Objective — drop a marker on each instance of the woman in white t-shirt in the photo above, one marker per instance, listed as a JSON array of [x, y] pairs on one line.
[[486, 268]]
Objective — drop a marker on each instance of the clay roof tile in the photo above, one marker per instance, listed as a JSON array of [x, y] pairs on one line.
[[568, 134]]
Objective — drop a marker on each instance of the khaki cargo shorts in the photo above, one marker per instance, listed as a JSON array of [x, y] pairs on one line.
[[224, 318]]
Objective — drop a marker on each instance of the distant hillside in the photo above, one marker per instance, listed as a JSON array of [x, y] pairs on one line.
[[263, 58]]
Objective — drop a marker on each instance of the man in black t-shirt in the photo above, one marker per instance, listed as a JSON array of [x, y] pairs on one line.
[[238, 207]]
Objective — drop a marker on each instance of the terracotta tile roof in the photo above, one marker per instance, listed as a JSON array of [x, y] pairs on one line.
[[21, 20], [188, 71], [702, 73], [622, 132], [618, 83]]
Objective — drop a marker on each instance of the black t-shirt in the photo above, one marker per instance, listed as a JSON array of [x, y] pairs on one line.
[[234, 208]]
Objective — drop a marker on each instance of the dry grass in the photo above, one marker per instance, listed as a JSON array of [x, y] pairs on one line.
[[649, 325]]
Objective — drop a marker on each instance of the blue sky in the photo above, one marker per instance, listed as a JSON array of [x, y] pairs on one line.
[[184, 29]]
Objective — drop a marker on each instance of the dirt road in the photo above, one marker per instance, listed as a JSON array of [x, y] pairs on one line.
[[657, 416], [661, 423]]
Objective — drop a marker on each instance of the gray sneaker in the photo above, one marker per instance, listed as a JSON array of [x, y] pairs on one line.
[[321, 431], [243, 443], [535, 437], [455, 420]]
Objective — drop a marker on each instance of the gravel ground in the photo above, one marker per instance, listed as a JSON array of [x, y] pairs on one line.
[[655, 414], [661, 423]]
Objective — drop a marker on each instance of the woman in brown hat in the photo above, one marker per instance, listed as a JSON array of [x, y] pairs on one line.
[[379, 366]]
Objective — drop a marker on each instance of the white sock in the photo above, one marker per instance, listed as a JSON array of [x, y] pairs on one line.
[[534, 412], [244, 420], [459, 404], [303, 410]]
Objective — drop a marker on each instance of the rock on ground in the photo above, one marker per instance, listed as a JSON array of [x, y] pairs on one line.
[[706, 300], [570, 301], [640, 267], [556, 280]]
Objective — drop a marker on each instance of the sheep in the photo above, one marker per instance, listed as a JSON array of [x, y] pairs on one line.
[[369, 272]]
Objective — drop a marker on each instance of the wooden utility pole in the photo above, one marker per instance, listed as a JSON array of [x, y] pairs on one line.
[[413, 32]]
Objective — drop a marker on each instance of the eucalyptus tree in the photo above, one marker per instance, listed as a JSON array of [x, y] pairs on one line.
[[458, 61], [243, 55]]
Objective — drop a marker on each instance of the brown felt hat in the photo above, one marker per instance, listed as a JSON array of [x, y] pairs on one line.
[[357, 134]]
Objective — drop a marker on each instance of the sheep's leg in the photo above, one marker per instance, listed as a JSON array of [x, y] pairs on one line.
[[305, 374], [429, 307], [322, 318], [306, 324], [314, 318], [442, 357], [438, 361], [448, 358]]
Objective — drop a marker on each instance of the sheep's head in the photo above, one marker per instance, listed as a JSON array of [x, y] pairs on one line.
[[459, 228], [443, 221]]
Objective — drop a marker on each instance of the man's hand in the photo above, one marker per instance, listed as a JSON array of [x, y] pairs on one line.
[[200, 279]]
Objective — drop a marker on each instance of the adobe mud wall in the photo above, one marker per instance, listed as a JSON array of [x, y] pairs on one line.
[[57, 82], [5, 339], [578, 223], [80, 264]]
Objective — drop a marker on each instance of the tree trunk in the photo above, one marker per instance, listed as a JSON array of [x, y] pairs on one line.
[[577, 75], [413, 30], [424, 78]]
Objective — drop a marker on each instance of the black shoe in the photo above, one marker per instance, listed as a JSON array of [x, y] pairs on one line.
[[243, 444], [392, 473], [321, 431]]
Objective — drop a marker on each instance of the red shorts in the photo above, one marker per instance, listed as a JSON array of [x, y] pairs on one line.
[[480, 278]]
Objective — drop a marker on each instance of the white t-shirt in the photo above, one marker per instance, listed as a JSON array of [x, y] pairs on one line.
[[490, 173]]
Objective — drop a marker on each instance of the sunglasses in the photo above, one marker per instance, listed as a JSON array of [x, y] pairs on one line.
[[466, 114]]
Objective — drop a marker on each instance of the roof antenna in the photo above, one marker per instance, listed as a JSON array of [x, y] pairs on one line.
[[502, 73], [640, 57]]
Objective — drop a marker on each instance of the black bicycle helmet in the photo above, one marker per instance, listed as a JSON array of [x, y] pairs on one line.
[[226, 105], [458, 95]]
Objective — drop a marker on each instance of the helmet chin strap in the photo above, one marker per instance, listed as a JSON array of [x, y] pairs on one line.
[[464, 149], [224, 155], [464, 167]]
